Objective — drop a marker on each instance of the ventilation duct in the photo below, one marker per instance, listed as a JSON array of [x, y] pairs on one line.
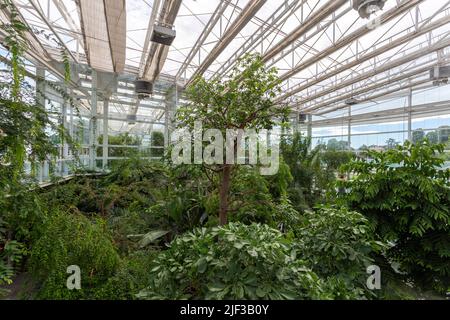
[[302, 118], [440, 75], [351, 102], [143, 87], [366, 8], [131, 118], [163, 35]]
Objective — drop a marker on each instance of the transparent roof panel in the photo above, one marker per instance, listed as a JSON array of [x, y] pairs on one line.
[[325, 52]]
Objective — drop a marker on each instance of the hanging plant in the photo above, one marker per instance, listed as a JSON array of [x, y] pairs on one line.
[[16, 43]]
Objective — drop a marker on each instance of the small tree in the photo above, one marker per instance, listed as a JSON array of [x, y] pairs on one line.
[[405, 193], [418, 135], [245, 100]]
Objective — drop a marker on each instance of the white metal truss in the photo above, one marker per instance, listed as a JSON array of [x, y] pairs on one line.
[[324, 51]]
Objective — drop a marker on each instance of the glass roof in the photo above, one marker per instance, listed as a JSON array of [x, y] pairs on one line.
[[324, 51]]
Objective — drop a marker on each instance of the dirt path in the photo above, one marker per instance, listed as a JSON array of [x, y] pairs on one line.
[[19, 289]]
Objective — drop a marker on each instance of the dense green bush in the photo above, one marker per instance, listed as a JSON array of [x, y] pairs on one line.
[[250, 199], [312, 170], [338, 244], [72, 239], [11, 254], [131, 277], [158, 142], [123, 139], [132, 184], [232, 262], [304, 165], [406, 195]]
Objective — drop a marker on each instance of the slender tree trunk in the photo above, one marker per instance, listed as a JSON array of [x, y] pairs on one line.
[[223, 195]]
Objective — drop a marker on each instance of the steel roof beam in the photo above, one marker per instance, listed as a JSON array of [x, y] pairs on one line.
[[273, 23], [365, 89], [386, 67], [158, 52], [151, 23], [241, 21], [401, 8], [41, 14], [325, 11], [361, 59], [379, 95], [379, 116], [223, 5]]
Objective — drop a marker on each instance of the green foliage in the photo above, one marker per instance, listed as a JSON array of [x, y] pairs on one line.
[[130, 278], [20, 211], [280, 182], [250, 199], [305, 167], [286, 218], [157, 141], [406, 196], [335, 145], [133, 184], [71, 239], [136, 169], [16, 43], [11, 254], [232, 262], [124, 224], [338, 244], [181, 207], [123, 139], [245, 100], [23, 136], [66, 63], [333, 160]]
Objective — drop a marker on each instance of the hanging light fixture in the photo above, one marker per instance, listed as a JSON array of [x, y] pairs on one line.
[[143, 88], [440, 75], [366, 8], [163, 34]]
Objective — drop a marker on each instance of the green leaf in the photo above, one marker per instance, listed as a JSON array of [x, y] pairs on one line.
[[202, 265], [151, 237]]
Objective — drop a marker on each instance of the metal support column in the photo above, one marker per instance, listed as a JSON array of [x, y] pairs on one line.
[[410, 134], [40, 100], [309, 129], [296, 124], [65, 146], [93, 124], [170, 110], [349, 128], [166, 126], [105, 133], [40, 86]]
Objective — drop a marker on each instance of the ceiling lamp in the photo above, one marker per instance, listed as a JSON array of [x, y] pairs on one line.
[[366, 8], [439, 75]]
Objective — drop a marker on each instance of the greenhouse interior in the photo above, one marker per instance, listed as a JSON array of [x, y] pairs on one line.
[[224, 150]]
